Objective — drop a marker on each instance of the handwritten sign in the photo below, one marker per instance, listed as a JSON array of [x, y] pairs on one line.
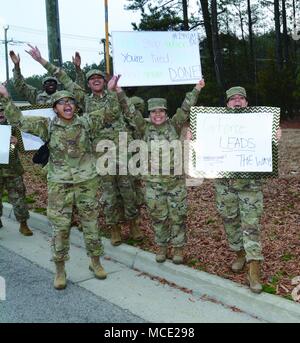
[[38, 112], [5, 134], [233, 142], [154, 58]]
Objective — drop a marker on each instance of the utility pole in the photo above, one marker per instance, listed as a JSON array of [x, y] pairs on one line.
[[6, 52], [106, 39], [53, 29]]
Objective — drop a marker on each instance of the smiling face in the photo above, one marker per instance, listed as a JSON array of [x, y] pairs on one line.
[[65, 108], [237, 101], [50, 86], [158, 116], [96, 84]]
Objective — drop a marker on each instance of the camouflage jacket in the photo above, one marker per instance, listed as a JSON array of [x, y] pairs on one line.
[[80, 78], [168, 132], [30, 93], [107, 106], [14, 168], [71, 157]]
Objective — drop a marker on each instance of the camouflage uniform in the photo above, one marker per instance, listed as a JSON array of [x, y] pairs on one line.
[[137, 180], [240, 204], [72, 177], [165, 194], [30, 93], [119, 197], [11, 179], [80, 78]]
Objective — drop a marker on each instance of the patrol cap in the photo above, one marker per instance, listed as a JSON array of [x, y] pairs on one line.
[[155, 103], [60, 95], [94, 72], [50, 78], [236, 91], [138, 102]]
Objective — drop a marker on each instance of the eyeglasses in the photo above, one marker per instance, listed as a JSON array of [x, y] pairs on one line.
[[66, 101]]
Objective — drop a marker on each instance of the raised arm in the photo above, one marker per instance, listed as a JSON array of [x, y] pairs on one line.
[[191, 98], [35, 125], [80, 76], [131, 113], [59, 73], [27, 91]]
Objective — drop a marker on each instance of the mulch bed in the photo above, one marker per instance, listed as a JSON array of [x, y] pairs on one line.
[[207, 247]]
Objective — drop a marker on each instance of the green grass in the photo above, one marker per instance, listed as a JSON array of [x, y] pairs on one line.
[[40, 210], [287, 256], [269, 289], [30, 199]]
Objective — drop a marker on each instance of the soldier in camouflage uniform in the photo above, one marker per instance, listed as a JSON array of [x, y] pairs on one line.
[[240, 204], [139, 105], [30, 93], [165, 193], [118, 193], [72, 177], [11, 179]]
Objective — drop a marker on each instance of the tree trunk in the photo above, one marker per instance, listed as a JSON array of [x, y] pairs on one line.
[[251, 43], [278, 45], [285, 34], [207, 25], [216, 48], [185, 15]]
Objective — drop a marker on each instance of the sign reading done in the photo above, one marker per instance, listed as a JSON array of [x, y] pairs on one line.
[[156, 58]]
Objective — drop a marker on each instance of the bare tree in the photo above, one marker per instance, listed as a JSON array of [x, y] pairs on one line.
[[218, 61], [278, 45], [285, 33]]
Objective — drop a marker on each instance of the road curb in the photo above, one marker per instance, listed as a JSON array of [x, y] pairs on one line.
[[268, 307]]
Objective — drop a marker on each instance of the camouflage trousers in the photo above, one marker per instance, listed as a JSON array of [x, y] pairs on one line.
[[61, 200], [167, 206], [16, 195], [240, 204], [119, 199], [139, 190]]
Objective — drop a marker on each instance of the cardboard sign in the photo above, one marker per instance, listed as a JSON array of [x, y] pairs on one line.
[[239, 144], [5, 134], [152, 58]]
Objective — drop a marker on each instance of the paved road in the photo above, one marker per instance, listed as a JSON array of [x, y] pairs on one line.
[[127, 295], [30, 297]]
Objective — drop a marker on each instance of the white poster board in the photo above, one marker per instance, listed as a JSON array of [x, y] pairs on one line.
[[151, 58], [233, 143], [39, 112], [5, 134], [31, 142]]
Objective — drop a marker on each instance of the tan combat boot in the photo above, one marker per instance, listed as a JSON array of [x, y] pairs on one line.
[[24, 229], [178, 255], [97, 268], [115, 238], [254, 277], [161, 255], [239, 262], [135, 230], [60, 280]]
